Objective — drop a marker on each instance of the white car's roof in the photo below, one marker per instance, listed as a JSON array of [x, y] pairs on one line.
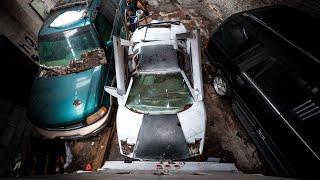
[[157, 33], [158, 58]]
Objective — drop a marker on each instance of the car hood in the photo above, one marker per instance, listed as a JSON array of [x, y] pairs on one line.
[[64, 100], [162, 137]]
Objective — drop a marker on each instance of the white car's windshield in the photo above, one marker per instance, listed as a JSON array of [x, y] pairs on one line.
[[159, 94]]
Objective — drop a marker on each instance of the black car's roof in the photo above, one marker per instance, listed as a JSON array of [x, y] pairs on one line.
[[296, 26], [158, 58]]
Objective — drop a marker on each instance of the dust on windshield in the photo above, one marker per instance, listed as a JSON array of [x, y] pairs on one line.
[[159, 94], [87, 61]]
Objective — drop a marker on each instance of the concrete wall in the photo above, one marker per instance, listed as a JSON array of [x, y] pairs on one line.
[[17, 34], [311, 7], [228, 7], [24, 14]]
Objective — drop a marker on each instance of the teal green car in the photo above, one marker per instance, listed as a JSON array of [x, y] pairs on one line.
[[67, 97]]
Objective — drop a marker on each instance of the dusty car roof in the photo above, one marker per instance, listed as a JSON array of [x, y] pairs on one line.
[[157, 33], [158, 58]]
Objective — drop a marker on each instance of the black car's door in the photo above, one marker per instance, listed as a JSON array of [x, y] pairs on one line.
[[271, 90]]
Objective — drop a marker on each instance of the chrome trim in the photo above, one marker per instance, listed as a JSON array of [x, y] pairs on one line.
[[311, 115], [311, 110], [278, 112], [298, 107], [305, 108]]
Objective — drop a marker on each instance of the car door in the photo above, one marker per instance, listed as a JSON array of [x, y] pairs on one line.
[[104, 30], [272, 91]]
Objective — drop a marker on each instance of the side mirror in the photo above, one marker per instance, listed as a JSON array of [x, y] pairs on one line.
[[113, 92], [109, 44]]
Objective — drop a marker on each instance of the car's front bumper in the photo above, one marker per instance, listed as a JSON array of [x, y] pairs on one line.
[[80, 132]]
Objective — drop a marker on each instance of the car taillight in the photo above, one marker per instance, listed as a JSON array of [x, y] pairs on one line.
[[97, 115]]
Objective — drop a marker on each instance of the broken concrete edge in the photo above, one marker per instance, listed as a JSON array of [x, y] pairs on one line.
[[169, 166]]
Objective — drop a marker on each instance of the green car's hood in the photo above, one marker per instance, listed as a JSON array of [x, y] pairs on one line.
[[69, 99]]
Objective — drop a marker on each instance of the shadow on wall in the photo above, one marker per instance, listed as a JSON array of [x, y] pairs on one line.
[[16, 76]]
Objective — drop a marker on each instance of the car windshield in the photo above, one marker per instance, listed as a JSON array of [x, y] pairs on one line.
[[59, 49], [159, 94]]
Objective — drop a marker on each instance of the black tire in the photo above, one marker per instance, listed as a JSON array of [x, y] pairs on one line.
[[221, 84]]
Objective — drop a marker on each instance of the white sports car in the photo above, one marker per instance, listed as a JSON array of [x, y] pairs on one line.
[[161, 114]]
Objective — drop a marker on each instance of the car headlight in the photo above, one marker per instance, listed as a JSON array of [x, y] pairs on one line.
[[97, 115]]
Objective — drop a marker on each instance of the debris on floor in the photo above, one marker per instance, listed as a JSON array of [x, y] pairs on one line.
[[226, 138], [91, 151], [45, 157]]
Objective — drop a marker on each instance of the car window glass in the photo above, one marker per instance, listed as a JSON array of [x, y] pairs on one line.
[[103, 27], [159, 94], [185, 63], [235, 36], [68, 45]]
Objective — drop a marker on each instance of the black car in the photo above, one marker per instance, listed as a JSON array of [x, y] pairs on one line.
[[268, 64]]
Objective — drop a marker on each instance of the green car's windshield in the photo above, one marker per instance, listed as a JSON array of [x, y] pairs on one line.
[[60, 48], [159, 94]]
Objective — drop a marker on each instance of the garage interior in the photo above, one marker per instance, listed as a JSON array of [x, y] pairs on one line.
[[23, 153]]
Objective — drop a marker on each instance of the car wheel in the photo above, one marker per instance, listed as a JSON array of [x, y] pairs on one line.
[[221, 84]]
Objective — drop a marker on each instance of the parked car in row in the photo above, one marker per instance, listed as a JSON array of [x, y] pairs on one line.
[[268, 63], [67, 98], [161, 113]]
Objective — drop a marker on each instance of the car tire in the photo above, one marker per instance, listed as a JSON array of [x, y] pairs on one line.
[[221, 84]]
